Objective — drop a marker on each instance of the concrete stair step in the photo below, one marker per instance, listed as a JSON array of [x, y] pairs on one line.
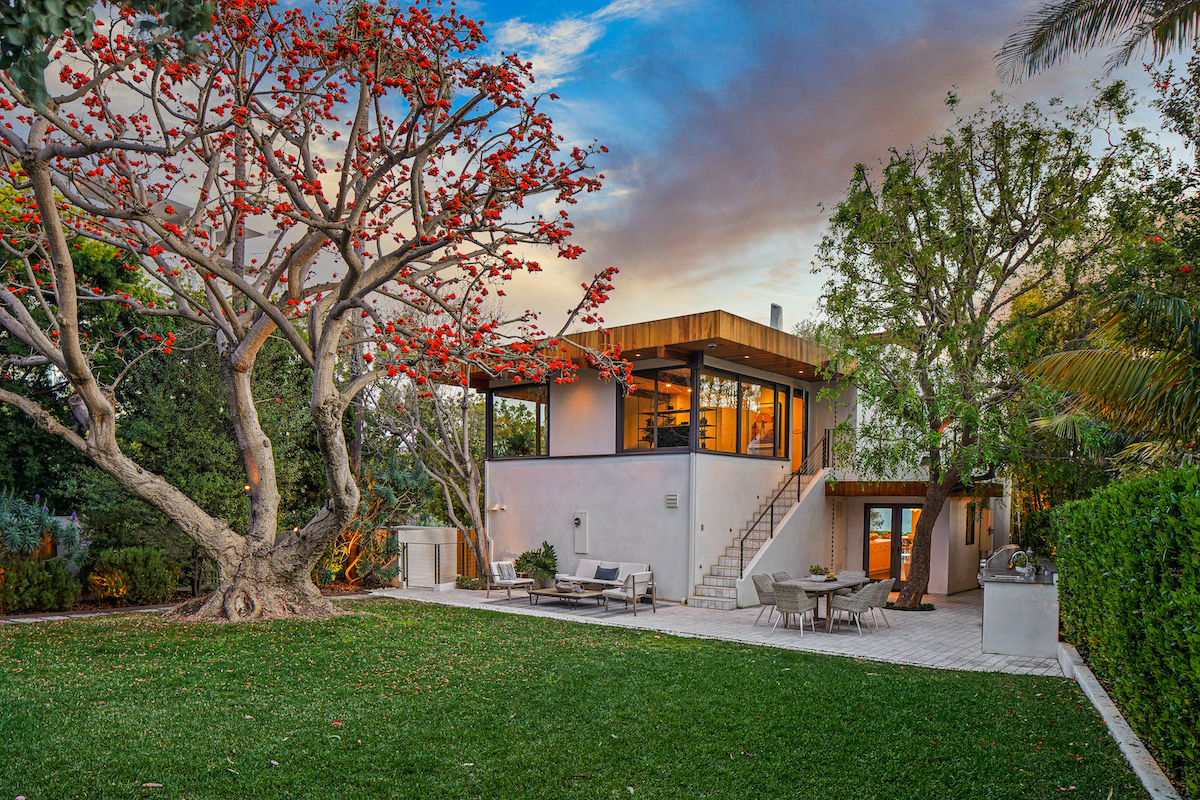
[[717, 591], [719, 603], [751, 549], [719, 580], [731, 561], [724, 572]]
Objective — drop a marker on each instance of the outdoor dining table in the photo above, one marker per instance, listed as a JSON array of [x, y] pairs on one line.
[[827, 588]]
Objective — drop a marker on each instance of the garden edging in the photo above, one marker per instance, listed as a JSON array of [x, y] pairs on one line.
[[1139, 758]]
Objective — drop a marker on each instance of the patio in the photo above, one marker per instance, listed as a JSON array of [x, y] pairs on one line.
[[948, 638]]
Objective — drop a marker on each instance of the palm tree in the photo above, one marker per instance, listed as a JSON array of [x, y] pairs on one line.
[[1067, 27], [1144, 374]]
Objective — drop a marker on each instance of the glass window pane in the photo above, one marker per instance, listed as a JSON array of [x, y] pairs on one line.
[[758, 413], [657, 411], [519, 421], [638, 413], [718, 413], [674, 408]]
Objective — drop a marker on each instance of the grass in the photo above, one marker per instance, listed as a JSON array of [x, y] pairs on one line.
[[412, 700]]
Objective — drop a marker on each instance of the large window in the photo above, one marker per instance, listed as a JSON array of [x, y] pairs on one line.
[[741, 415], [518, 422], [657, 412]]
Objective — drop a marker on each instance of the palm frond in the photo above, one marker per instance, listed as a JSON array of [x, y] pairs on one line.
[[1070, 27]]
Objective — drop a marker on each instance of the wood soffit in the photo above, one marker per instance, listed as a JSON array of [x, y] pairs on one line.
[[737, 340], [902, 489]]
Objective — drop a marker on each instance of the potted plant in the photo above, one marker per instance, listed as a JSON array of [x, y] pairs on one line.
[[540, 564], [817, 572]]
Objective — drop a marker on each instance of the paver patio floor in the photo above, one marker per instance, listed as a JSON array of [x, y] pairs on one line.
[[948, 638]]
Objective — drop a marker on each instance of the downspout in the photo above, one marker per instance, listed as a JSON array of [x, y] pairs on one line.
[[691, 571]]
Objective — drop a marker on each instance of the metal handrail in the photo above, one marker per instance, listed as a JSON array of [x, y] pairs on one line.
[[807, 469]]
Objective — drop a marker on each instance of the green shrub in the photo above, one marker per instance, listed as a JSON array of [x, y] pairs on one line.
[[136, 575], [541, 563], [467, 582], [37, 586], [1129, 583]]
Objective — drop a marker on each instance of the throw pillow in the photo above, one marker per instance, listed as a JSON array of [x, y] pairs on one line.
[[505, 571], [609, 574]]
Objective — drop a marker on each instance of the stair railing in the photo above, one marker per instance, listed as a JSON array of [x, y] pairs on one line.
[[819, 457]]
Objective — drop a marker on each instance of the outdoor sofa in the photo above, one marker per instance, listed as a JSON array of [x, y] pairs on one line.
[[593, 572]]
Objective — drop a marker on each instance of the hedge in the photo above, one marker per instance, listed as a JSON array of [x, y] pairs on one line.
[[36, 585], [1129, 586]]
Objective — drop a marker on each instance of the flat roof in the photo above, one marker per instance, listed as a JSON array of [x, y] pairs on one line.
[[715, 333]]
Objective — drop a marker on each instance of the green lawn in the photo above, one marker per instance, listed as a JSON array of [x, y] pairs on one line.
[[425, 701]]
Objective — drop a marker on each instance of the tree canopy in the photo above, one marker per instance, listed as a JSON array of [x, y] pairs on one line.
[[938, 262], [304, 171]]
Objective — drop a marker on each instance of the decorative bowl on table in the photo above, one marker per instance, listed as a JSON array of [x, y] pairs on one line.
[[818, 578]]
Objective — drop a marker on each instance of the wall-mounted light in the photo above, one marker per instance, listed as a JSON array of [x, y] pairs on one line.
[[498, 507]]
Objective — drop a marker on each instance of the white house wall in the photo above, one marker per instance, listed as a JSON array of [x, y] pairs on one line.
[[583, 416], [729, 490], [625, 498]]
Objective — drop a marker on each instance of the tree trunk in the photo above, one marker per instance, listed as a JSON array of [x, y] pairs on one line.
[[917, 584], [257, 585]]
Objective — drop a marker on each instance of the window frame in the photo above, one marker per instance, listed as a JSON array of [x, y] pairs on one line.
[[489, 412]]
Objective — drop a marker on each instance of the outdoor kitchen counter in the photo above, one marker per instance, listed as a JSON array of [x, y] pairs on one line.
[[1020, 615]]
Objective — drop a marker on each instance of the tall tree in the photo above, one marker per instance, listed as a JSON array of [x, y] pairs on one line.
[[1070, 27], [410, 214], [939, 261]]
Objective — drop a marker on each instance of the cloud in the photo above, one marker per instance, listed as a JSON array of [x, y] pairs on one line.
[[557, 48], [725, 201]]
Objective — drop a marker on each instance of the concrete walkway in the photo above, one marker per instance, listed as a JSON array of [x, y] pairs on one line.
[[948, 638]]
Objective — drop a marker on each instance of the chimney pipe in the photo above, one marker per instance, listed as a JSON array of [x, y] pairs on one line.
[[776, 316]]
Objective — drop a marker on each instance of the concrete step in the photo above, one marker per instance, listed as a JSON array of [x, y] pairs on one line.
[[719, 580], [730, 561], [730, 572], [719, 603], [752, 547], [716, 591]]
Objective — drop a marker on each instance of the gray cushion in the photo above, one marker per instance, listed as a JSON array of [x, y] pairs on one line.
[[603, 574]]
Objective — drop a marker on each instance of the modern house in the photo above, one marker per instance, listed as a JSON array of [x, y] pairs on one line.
[[713, 467]]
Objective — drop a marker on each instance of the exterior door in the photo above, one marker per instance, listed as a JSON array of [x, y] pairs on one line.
[[887, 540], [798, 444]]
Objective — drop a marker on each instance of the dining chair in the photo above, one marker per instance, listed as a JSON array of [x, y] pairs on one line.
[[791, 599], [882, 590], [765, 587], [780, 577], [855, 606], [849, 574]]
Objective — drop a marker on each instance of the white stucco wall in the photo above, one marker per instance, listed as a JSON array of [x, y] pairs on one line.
[[729, 490], [583, 416], [803, 539], [625, 501]]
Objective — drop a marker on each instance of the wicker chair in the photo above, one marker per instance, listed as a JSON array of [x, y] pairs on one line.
[[855, 606], [780, 577], [765, 587], [791, 599], [849, 574], [882, 590]]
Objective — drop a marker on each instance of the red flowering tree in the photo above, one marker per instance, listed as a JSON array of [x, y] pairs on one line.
[[356, 177]]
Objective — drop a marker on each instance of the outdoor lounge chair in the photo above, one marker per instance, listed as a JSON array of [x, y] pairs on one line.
[[636, 586], [504, 576], [791, 599], [765, 587], [882, 590], [855, 606]]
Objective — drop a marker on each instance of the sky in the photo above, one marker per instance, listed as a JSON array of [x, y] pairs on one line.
[[731, 126]]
